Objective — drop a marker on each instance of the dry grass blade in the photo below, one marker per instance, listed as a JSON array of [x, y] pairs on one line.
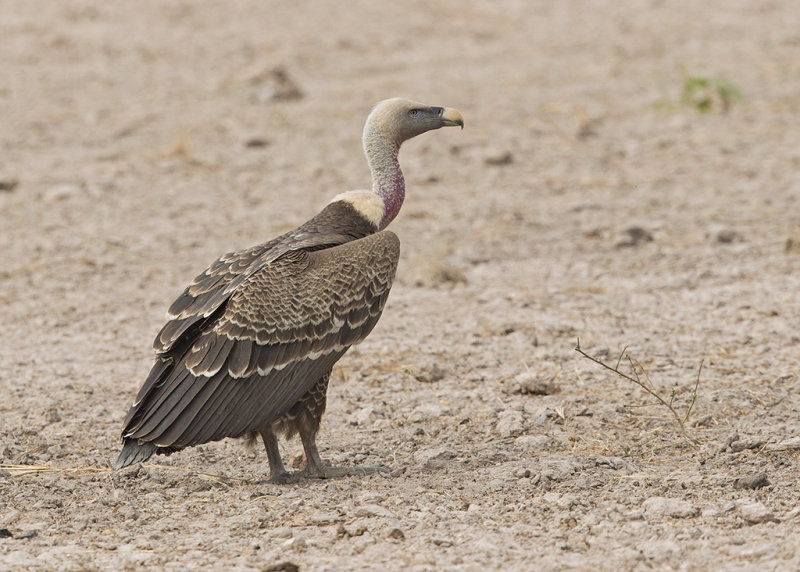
[[19, 470]]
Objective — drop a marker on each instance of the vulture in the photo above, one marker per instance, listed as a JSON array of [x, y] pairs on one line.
[[249, 345]]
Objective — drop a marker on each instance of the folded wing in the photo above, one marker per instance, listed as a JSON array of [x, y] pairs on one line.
[[260, 349]]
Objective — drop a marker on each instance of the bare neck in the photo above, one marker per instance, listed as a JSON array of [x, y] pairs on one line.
[[387, 178]]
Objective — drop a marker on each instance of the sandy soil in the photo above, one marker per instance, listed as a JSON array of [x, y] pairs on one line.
[[138, 141]]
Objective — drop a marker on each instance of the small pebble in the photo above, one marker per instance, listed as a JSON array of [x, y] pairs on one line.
[[395, 533], [634, 236], [8, 184], [675, 508], [321, 519], [702, 422], [755, 513], [363, 416], [741, 445], [350, 531], [283, 567], [428, 411], [369, 510], [434, 374], [61, 192], [294, 542], [497, 157], [728, 236], [297, 460], [527, 383], [754, 481], [52, 416], [274, 85], [509, 424], [790, 444], [284, 532], [256, 143]]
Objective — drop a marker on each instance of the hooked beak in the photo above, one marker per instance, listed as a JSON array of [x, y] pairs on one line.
[[450, 117]]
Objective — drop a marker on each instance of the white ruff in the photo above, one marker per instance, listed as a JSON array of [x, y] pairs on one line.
[[368, 204]]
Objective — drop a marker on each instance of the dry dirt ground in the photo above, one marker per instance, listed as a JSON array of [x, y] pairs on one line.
[[584, 199]]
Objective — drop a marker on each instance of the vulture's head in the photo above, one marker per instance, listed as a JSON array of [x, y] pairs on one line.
[[401, 119]]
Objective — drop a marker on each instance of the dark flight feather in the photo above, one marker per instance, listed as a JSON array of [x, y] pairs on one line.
[[267, 345]]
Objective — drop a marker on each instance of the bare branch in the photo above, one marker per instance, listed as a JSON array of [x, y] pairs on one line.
[[648, 386]]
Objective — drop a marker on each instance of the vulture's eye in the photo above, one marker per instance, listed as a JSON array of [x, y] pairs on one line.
[[414, 112]]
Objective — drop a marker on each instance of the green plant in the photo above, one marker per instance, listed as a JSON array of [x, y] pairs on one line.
[[704, 93], [639, 377]]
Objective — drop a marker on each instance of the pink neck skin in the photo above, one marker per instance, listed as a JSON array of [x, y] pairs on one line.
[[392, 190], [387, 178]]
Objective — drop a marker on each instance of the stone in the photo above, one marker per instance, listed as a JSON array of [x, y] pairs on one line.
[[791, 444], [428, 411], [52, 415], [285, 566], [634, 236], [256, 142], [431, 375], [274, 85], [363, 416], [371, 510], [527, 383], [675, 508], [743, 444], [283, 532], [395, 533], [509, 424], [497, 157], [8, 184], [753, 481], [755, 512], [434, 458], [61, 192], [728, 236], [324, 518]]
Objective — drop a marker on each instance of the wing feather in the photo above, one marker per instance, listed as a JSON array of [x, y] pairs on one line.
[[170, 430], [239, 358], [282, 328], [211, 289]]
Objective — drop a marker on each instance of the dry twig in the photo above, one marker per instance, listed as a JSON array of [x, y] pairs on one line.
[[639, 377]]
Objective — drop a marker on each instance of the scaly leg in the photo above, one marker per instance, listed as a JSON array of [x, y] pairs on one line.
[[277, 472], [304, 418], [315, 468]]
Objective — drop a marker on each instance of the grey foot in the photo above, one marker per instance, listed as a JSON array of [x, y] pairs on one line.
[[282, 478]]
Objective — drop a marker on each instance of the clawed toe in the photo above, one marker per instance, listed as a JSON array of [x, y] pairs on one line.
[[282, 478]]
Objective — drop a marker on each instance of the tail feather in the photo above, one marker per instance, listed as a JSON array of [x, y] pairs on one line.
[[134, 451]]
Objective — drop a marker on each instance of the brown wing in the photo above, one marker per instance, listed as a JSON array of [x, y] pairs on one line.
[[282, 329], [209, 291]]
